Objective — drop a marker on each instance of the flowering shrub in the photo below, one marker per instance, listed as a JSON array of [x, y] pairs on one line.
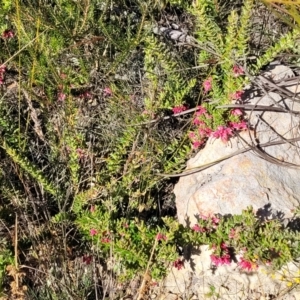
[[240, 238], [100, 168], [132, 242], [205, 127], [209, 121], [244, 238]]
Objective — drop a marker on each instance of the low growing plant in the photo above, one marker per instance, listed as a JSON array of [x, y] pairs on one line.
[[255, 241], [100, 142], [229, 72], [244, 238]]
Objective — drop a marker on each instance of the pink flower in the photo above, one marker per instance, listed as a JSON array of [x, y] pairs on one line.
[[223, 246], [237, 70], [200, 110], [222, 132], [105, 240], [160, 237], [107, 92], [215, 220], [232, 233], [179, 109], [236, 112], [2, 69], [92, 209], [238, 126], [93, 232], [178, 264], [192, 135], [204, 132], [8, 34], [203, 217], [215, 259], [105, 237], [219, 261], [226, 259], [197, 228], [198, 122], [61, 97], [196, 144], [247, 265], [237, 95], [207, 84]]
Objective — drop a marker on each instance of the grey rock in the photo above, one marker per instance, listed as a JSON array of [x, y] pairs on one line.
[[267, 179], [174, 34]]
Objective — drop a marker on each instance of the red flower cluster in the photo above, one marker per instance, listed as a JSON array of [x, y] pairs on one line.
[[207, 84], [237, 112], [238, 126], [237, 70], [203, 131], [222, 259], [213, 219], [105, 240], [178, 264], [8, 34], [179, 109], [222, 132], [107, 92], [161, 237], [197, 228], [225, 133], [93, 232], [237, 95], [247, 265], [105, 237], [61, 97]]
